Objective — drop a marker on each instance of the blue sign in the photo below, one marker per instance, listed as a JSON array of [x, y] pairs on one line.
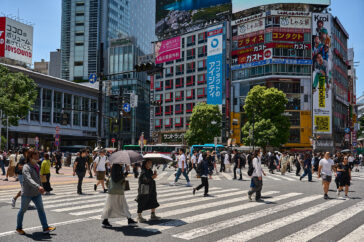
[[92, 78], [272, 61], [347, 130], [354, 144], [215, 65], [126, 107]]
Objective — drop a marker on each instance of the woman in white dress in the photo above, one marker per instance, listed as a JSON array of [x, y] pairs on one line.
[[116, 206]]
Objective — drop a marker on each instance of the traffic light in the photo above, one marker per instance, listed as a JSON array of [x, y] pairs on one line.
[[149, 67]]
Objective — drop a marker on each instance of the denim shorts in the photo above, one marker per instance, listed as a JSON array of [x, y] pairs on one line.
[[21, 179]]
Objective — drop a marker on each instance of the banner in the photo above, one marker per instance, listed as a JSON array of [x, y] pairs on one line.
[[257, 39], [321, 76], [167, 50], [272, 61], [282, 36], [251, 26], [215, 64], [295, 22]]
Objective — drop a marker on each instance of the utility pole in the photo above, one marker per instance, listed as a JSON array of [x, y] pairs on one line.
[[121, 101], [100, 96]]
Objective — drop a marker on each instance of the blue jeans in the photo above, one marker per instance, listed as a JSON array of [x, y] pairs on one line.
[[2, 165], [307, 172], [184, 173], [37, 200]]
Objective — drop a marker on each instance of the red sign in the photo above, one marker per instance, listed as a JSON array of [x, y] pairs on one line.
[[2, 36], [256, 56], [58, 129], [215, 32], [282, 36], [257, 39], [113, 140]]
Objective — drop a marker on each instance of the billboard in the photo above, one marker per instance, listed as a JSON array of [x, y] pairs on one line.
[[215, 64], [181, 16], [321, 73], [241, 5], [167, 50], [16, 40]]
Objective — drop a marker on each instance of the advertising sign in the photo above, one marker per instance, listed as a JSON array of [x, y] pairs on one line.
[[239, 5], [255, 56], [215, 64], [251, 26], [187, 15], [283, 36], [16, 40], [321, 76], [272, 61], [256, 39], [167, 50], [295, 22]]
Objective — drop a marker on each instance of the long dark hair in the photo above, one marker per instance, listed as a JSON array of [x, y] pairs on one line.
[[117, 172]]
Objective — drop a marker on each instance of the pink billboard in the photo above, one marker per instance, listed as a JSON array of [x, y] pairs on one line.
[[167, 50]]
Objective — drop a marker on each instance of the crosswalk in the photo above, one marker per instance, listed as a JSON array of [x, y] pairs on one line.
[[194, 217]]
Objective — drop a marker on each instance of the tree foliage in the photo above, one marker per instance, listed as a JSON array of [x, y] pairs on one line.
[[265, 107], [17, 94], [200, 130]]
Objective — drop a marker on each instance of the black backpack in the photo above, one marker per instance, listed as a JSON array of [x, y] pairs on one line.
[[250, 169]]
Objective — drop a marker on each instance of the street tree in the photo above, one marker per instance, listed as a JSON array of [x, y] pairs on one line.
[[18, 93], [266, 124], [205, 124]]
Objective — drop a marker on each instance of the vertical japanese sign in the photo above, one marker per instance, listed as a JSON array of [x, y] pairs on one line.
[[321, 73], [167, 50], [215, 64], [16, 40]]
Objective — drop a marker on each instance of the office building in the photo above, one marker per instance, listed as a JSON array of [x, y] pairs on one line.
[[54, 68], [41, 66]]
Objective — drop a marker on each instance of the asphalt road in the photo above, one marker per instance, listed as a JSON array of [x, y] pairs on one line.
[[292, 210]]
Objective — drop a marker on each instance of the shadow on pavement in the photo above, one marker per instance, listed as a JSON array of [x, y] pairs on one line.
[[39, 236], [134, 231]]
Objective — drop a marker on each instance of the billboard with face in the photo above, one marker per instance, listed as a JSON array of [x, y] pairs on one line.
[[241, 5], [16, 40], [183, 16], [321, 73]]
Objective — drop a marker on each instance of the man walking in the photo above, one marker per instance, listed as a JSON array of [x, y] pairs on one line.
[[79, 167], [100, 164], [307, 168], [58, 158], [237, 165], [257, 179], [2, 163], [193, 162], [283, 163], [326, 166], [182, 168]]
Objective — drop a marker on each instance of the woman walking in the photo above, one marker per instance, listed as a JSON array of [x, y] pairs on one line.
[[116, 206], [307, 167], [31, 190], [257, 180], [345, 177], [204, 171], [45, 170], [147, 192]]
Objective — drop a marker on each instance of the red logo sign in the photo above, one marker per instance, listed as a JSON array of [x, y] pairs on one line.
[[267, 53], [113, 140]]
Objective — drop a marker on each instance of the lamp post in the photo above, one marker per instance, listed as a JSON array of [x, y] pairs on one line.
[[213, 122]]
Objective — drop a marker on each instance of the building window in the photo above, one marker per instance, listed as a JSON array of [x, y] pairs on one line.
[[190, 67], [201, 79], [295, 118], [47, 105], [169, 97], [93, 113], [182, 57], [201, 65], [190, 81], [159, 86], [159, 97], [179, 109], [294, 136], [169, 84], [202, 51], [158, 111], [202, 38], [178, 122], [189, 107], [191, 54], [190, 94], [179, 96], [34, 114], [180, 70], [159, 75], [191, 40], [201, 93], [57, 107], [67, 100], [158, 123], [85, 113], [169, 122], [168, 110], [179, 82], [76, 112], [169, 71]]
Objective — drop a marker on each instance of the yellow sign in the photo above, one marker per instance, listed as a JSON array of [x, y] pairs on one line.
[[322, 123], [322, 92]]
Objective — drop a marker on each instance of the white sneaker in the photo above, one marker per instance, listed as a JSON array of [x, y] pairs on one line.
[[172, 183], [189, 184]]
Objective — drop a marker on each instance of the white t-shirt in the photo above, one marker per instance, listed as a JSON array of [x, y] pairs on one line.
[[100, 162], [258, 172], [351, 159], [326, 166], [12, 160], [193, 159], [226, 159], [200, 158], [182, 160]]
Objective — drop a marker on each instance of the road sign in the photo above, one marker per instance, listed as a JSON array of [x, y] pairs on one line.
[[92, 78], [113, 140], [133, 100], [126, 107], [347, 130]]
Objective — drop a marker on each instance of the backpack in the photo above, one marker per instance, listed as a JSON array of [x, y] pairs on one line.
[[199, 167], [250, 169]]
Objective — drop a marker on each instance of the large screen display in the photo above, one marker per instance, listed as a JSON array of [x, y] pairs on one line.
[[241, 5], [187, 15]]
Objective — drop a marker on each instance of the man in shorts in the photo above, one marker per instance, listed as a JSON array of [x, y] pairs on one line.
[[100, 164], [326, 166]]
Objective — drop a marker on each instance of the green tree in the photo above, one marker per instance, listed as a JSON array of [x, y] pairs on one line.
[[17, 94], [264, 108], [202, 128]]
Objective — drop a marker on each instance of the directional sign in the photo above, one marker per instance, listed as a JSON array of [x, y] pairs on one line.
[[92, 78], [126, 107], [347, 130]]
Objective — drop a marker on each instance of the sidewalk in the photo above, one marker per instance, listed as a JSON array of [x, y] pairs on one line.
[[64, 177]]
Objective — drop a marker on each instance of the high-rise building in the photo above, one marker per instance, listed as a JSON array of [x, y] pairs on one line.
[[54, 68], [87, 23]]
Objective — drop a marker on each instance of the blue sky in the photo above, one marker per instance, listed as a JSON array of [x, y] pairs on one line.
[[46, 16]]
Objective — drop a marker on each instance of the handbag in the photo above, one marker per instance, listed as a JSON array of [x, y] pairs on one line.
[[43, 178], [127, 186], [144, 189]]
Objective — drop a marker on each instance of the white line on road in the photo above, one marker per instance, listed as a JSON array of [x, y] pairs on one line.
[[356, 236]]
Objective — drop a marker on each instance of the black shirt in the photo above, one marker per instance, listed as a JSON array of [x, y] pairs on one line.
[[20, 163], [346, 169], [81, 164]]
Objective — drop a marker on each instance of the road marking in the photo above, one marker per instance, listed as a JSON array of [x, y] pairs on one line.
[[160, 176], [227, 175], [326, 224], [287, 178], [171, 177], [273, 178], [211, 228], [356, 236], [281, 222]]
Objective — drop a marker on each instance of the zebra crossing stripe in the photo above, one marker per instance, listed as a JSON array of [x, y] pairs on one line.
[[287, 178], [216, 177], [273, 178], [326, 224], [281, 222], [211, 228], [160, 176], [171, 177], [227, 175], [160, 200], [215, 213], [356, 236]]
